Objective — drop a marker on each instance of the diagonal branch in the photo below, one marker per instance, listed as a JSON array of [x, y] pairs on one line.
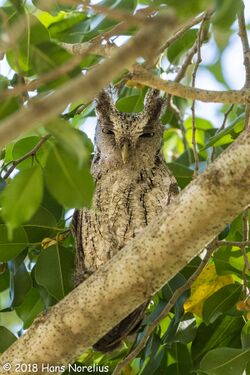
[[161, 250], [144, 43]]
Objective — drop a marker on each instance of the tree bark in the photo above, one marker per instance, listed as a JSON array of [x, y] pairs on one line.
[[195, 217]]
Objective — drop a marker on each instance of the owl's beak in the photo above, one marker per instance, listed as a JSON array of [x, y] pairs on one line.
[[124, 152]]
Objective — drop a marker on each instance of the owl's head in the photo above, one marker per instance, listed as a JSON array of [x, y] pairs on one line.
[[128, 136]]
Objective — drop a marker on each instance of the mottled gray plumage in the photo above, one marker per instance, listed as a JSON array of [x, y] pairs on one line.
[[133, 184]]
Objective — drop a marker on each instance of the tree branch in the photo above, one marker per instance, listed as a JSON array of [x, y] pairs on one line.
[[139, 270], [144, 77], [246, 55], [144, 43]]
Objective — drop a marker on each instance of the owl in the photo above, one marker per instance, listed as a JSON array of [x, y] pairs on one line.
[[133, 185]]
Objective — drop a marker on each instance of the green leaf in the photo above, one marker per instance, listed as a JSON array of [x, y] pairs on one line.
[[154, 357], [72, 29], [22, 197], [41, 225], [185, 9], [175, 283], [52, 205], [30, 308], [6, 338], [226, 12], [72, 140], [230, 129], [11, 248], [20, 284], [200, 123], [68, 184], [4, 82], [54, 271], [183, 360], [8, 106], [36, 53], [63, 24], [24, 146], [186, 330], [181, 45], [220, 302], [245, 335], [130, 104], [228, 261], [227, 361], [182, 174], [4, 277], [225, 331]]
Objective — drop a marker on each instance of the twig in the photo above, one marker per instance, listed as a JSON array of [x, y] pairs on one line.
[[31, 153], [176, 111], [196, 67], [151, 327], [190, 23], [233, 243], [245, 238], [186, 27], [245, 44], [45, 78], [181, 73], [246, 54], [222, 127]]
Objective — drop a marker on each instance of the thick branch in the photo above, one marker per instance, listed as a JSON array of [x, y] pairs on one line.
[[144, 77], [195, 217], [144, 43]]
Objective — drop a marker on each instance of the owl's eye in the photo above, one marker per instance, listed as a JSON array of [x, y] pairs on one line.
[[147, 135], [108, 131]]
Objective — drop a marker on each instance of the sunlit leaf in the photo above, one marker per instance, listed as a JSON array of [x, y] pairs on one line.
[[22, 196], [72, 140], [181, 45], [204, 286]]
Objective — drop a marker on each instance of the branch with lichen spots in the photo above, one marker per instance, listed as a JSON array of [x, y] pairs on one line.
[[142, 267]]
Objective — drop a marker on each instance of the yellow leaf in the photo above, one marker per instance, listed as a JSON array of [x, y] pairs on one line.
[[204, 286], [47, 242]]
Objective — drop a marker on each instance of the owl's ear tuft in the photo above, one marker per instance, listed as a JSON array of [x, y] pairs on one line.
[[154, 104], [104, 103]]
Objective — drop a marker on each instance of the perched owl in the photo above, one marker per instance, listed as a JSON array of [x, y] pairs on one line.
[[133, 185]]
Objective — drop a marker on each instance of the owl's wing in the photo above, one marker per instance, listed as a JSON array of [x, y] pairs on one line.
[[126, 327], [81, 272]]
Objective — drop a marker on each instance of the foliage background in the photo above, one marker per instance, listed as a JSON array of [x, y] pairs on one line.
[[45, 174]]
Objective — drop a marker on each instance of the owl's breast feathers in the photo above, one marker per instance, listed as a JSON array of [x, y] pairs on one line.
[[125, 201]]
